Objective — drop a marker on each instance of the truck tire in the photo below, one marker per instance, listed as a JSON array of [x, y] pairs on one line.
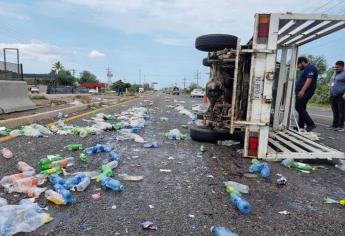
[[206, 62], [207, 134], [215, 42]]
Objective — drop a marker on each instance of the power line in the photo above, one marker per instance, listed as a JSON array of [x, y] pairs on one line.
[[337, 4], [323, 5]]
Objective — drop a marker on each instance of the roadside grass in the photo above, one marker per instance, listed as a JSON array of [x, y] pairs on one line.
[[38, 97], [317, 105]]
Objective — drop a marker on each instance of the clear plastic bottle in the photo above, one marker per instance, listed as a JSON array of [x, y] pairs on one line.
[[72, 182], [98, 148], [25, 168], [113, 184], [6, 153], [242, 205], [152, 144], [66, 194], [55, 197], [85, 182], [261, 167], [222, 231], [113, 164]]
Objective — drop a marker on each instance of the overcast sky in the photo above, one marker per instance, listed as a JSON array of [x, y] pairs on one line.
[[154, 36]]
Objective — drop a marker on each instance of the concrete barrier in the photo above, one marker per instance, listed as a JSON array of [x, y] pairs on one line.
[[14, 96]]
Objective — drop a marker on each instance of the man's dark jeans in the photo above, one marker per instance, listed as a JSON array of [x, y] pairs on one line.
[[338, 108], [303, 116]]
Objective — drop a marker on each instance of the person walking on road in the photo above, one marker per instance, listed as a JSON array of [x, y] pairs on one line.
[[120, 88], [337, 96], [305, 88]]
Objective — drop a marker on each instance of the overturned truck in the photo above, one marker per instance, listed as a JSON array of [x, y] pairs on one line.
[[250, 89]]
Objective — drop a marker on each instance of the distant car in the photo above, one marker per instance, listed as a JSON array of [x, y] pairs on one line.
[[141, 90], [197, 93], [92, 91], [34, 89], [176, 91]]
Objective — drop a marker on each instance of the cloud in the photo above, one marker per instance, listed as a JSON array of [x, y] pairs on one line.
[[36, 50], [96, 54], [185, 19], [16, 11]]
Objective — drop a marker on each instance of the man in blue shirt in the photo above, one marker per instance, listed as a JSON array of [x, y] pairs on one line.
[[305, 88], [337, 96]]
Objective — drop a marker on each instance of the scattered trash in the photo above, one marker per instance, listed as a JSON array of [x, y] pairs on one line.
[[290, 163], [133, 178], [199, 155], [25, 217], [97, 149], [152, 144], [83, 158], [96, 196], [281, 180], [261, 167], [164, 118], [113, 156], [151, 206], [329, 200], [209, 176], [148, 225], [202, 148], [250, 175], [284, 212], [6, 153], [165, 170], [67, 195], [112, 184], [241, 204], [242, 188], [171, 158], [113, 207], [227, 142], [191, 216], [74, 147], [175, 134], [341, 166], [222, 231], [54, 197]]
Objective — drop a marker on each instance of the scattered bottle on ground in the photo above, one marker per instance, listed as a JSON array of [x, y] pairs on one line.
[[222, 231], [6, 153], [83, 158], [66, 194], [55, 170], [237, 186], [261, 167], [56, 179], [152, 144], [227, 142], [72, 182], [74, 147], [107, 171], [84, 183], [281, 180], [113, 156], [241, 204], [44, 162], [63, 163], [25, 168], [98, 149], [54, 197], [113, 184], [290, 163]]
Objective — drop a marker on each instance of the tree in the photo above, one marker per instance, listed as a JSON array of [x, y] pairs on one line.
[[319, 62], [115, 85], [321, 95], [87, 77], [193, 86], [146, 87], [57, 67], [65, 78]]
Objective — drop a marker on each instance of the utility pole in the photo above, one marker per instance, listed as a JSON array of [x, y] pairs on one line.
[[184, 83], [197, 77], [110, 76]]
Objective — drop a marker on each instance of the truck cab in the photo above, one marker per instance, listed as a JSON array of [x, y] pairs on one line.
[[250, 89]]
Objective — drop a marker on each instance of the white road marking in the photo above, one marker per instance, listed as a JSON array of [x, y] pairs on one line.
[[321, 115]]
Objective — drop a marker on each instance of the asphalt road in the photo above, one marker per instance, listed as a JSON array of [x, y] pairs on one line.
[[323, 117], [186, 201]]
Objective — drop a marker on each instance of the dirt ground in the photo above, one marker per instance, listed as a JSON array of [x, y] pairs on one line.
[[185, 201]]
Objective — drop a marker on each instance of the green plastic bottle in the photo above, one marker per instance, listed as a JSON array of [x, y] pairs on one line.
[[74, 147], [107, 171], [51, 171], [183, 137], [118, 126], [84, 158], [301, 166], [45, 163]]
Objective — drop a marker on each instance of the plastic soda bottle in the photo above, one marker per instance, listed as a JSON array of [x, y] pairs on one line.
[[72, 182], [67, 195], [44, 163], [242, 205], [113, 184], [118, 126], [113, 156], [83, 157], [113, 164], [55, 197], [25, 168], [107, 171], [85, 182], [222, 231], [51, 171], [261, 167], [56, 179], [74, 147]]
